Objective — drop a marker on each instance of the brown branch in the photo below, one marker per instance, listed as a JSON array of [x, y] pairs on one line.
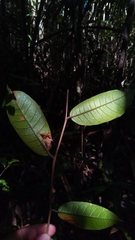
[[67, 187], [54, 163]]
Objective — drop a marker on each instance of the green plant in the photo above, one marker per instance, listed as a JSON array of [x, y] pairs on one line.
[[29, 122], [45, 48]]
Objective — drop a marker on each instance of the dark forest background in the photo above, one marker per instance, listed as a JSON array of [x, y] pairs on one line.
[[88, 47]]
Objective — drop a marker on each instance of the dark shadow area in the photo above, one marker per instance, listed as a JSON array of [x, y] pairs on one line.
[[46, 49]]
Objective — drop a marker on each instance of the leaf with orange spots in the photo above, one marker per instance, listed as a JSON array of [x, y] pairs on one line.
[[29, 121]]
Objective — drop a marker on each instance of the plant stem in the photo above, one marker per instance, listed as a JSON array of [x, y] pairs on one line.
[[54, 162]]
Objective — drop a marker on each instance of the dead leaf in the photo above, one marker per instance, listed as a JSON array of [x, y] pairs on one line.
[[47, 138], [113, 230]]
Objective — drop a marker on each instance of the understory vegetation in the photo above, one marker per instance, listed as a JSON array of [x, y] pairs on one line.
[[86, 47]]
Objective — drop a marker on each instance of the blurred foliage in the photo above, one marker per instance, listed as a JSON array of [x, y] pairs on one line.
[[47, 47]]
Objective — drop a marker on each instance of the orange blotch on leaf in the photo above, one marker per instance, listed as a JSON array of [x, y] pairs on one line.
[[47, 138]]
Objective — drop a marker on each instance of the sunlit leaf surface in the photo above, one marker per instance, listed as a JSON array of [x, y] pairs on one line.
[[87, 215], [102, 108]]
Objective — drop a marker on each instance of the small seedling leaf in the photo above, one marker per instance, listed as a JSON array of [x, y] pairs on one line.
[[3, 161], [4, 185], [12, 161]]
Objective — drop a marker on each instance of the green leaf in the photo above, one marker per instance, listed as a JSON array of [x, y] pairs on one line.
[[126, 234], [87, 215], [102, 108], [3, 161], [4, 185], [29, 122], [12, 161]]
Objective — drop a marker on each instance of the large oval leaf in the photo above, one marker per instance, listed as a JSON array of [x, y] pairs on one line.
[[87, 215], [29, 122], [102, 108]]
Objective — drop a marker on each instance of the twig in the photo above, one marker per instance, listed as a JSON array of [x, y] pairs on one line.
[[54, 163], [82, 140], [67, 187]]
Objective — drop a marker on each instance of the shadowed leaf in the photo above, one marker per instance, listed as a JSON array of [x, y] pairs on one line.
[[29, 122]]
